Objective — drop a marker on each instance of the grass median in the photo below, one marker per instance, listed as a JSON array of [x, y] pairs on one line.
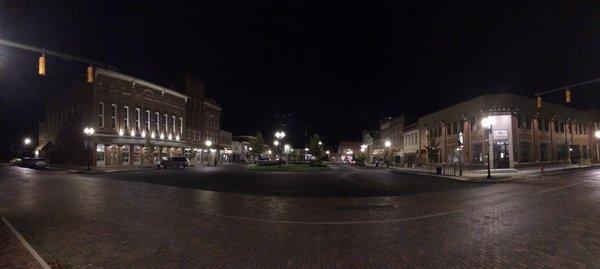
[[287, 168]]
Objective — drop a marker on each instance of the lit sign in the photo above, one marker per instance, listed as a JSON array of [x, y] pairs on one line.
[[500, 134]]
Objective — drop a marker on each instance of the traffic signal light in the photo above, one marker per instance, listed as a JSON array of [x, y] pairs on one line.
[[90, 74], [539, 102], [568, 96], [42, 65]]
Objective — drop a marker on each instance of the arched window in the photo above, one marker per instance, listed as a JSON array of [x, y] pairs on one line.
[[113, 116], [101, 114], [180, 126]]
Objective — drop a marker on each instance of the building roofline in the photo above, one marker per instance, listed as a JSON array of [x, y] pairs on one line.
[[142, 82]]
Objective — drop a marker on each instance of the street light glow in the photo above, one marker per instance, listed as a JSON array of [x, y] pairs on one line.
[[487, 122], [208, 143], [387, 144], [597, 134], [276, 143], [27, 141]]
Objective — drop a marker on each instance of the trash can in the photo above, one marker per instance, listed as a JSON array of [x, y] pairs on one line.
[[438, 170]]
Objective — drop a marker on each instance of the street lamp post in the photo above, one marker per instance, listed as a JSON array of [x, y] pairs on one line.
[[208, 143], [487, 123], [597, 134], [387, 145], [89, 131]]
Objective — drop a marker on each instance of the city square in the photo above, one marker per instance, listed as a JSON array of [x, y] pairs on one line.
[[364, 217]]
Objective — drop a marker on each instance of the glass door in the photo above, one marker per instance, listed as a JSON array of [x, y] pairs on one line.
[[501, 152]]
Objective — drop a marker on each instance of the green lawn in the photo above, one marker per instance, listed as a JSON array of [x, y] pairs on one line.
[[288, 168]]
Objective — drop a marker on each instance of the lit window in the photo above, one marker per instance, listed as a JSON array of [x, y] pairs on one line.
[[166, 123], [126, 117], [173, 124], [147, 120], [180, 125], [100, 115], [113, 116], [157, 123], [137, 118]]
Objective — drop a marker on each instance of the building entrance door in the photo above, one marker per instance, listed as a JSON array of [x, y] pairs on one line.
[[100, 155], [501, 151]]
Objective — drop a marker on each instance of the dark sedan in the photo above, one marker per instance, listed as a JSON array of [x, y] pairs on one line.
[[174, 162]]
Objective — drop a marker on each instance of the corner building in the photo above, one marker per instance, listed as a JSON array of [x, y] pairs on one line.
[[136, 122], [521, 135]]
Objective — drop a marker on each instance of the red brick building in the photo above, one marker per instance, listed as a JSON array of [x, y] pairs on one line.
[[135, 122]]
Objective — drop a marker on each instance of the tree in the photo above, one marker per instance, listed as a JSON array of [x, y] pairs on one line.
[[257, 144], [315, 149], [150, 149], [432, 150]]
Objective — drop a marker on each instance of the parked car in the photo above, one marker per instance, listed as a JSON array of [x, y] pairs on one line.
[[25, 162], [15, 162], [174, 162], [37, 163]]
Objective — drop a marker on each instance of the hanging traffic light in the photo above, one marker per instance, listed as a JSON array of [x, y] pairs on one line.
[[90, 74], [568, 96], [42, 65], [539, 102]]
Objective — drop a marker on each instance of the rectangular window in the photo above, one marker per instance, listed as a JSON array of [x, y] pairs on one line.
[[544, 152], [113, 116], [525, 152], [137, 119], [562, 127], [556, 127], [584, 151], [100, 115], [147, 120], [524, 123], [126, 117], [476, 154]]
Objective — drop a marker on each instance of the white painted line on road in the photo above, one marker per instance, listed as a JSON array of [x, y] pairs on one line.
[[34, 253], [561, 187]]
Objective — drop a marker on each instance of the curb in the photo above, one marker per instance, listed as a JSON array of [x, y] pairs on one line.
[[464, 179]]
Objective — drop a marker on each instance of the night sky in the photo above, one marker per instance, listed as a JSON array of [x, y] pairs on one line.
[[331, 68]]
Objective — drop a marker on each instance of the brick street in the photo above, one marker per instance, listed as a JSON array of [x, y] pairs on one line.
[[344, 217]]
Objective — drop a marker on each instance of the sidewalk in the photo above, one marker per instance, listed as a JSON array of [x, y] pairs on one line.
[[498, 175], [95, 169]]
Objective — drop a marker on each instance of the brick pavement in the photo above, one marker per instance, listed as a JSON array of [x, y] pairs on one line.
[[91, 221]]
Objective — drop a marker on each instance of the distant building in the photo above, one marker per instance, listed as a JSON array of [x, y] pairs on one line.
[[346, 150]]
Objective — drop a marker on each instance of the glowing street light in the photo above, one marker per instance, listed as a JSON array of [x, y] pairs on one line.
[[208, 143], [89, 131], [280, 135], [388, 144], [276, 143], [27, 141], [487, 123], [320, 143]]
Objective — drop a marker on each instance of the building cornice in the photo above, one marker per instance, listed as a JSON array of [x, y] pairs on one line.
[[141, 82], [211, 105]]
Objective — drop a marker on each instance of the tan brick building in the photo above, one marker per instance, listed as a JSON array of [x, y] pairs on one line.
[[521, 134]]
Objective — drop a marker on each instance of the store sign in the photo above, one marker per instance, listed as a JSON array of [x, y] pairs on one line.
[[500, 134]]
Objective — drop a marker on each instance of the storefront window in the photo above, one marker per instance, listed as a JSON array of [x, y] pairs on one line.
[[136, 154], [125, 154], [525, 152], [544, 152], [100, 154], [477, 154]]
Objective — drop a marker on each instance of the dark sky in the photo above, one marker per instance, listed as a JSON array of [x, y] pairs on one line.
[[334, 68]]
